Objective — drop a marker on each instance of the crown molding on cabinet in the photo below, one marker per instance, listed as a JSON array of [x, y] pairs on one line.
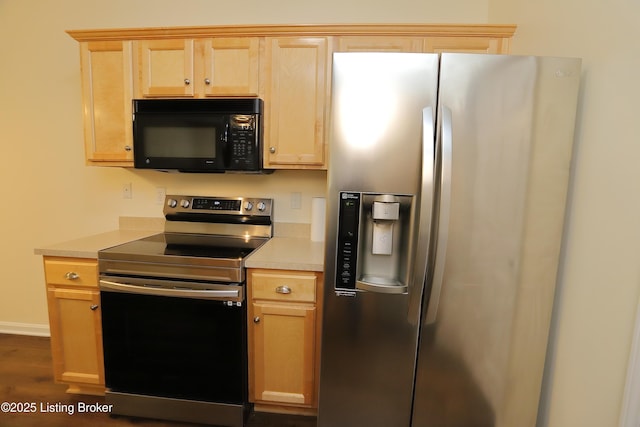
[[453, 30]]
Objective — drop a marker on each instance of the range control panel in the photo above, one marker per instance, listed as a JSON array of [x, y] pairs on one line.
[[348, 225], [217, 205]]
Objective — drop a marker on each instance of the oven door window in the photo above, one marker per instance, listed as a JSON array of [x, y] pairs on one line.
[[174, 347], [180, 141]]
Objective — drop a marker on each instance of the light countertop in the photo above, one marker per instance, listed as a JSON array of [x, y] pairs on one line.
[[88, 247], [288, 253], [283, 253]]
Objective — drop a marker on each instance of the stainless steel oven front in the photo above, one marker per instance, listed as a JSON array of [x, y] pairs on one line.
[[175, 350], [174, 312]]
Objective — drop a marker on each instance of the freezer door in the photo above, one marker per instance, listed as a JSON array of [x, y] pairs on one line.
[[504, 148], [383, 108]]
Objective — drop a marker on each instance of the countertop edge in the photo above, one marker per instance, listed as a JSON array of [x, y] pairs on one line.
[[283, 265]]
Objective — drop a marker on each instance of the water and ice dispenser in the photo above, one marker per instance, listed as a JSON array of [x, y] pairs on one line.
[[374, 244]]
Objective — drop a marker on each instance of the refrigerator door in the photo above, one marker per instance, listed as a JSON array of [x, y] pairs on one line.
[[506, 123], [383, 107]]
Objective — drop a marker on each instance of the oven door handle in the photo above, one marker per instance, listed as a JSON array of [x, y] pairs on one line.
[[214, 294]]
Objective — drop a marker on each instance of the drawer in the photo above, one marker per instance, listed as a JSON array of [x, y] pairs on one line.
[[71, 271], [284, 287]]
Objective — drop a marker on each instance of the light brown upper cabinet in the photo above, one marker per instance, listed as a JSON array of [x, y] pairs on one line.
[[231, 66], [379, 44], [107, 86], [296, 76], [289, 66], [437, 44], [465, 44], [165, 68], [197, 68]]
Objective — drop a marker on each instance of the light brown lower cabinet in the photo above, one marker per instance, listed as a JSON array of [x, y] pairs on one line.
[[284, 336], [75, 321]]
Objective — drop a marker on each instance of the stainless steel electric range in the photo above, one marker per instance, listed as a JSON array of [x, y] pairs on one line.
[[174, 312]]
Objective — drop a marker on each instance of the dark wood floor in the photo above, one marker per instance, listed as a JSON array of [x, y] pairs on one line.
[[26, 377]]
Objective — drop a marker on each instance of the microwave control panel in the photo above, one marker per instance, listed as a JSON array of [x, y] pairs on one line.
[[243, 141]]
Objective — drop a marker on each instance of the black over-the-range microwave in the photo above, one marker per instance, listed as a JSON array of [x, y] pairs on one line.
[[198, 135]]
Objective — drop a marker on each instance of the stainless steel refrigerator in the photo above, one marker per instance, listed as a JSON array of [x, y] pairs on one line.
[[446, 199]]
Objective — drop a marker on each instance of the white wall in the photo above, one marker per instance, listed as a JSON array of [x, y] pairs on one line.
[[48, 193], [600, 280]]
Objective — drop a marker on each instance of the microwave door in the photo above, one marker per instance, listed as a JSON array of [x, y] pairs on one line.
[[184, 142]]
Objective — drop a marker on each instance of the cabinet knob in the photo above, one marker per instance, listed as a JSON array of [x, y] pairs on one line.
[[256, 319], [272, 150], [71, 276], [187, 82], [207, 81], [94, 307], [283, 290], [127, 148]]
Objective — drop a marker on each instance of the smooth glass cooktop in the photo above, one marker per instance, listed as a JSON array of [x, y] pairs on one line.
[[187, 245]]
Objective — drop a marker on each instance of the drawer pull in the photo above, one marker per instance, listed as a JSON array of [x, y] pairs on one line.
[[283, 290], [72, 276]]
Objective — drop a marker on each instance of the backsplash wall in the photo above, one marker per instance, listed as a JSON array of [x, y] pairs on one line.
[[284, 186]]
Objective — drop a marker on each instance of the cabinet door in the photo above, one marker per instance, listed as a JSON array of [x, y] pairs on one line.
[[295, 95], [379, 44], [284, 353], [230, 66], [466, 45], [107, 84], [76, 335], [165, 68]]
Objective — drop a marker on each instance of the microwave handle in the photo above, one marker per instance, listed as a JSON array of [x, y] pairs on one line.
[[226, 151]]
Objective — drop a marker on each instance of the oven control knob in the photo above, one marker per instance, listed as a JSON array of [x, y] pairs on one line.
[[248, 206], [184, 203], [261, 206], [172, 203]]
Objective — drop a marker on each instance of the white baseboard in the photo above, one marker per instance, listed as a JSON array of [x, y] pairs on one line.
[[33, 329]]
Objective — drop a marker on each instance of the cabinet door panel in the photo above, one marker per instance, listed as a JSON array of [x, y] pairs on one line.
[[107, 85], [71, 271], [292, 287], [464, 44], [166, 68], [284, 353], [296, 76], [379, 44], [230, 67], [76, 337]]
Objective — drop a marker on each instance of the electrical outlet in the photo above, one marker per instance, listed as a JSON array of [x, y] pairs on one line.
[[127, 191], [161, 192], [296, 200]]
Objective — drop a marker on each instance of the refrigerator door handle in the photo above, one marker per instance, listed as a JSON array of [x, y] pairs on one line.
[[426, 210], [446, 147]]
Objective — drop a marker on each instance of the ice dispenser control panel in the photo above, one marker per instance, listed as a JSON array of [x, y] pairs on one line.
[[346, 262]]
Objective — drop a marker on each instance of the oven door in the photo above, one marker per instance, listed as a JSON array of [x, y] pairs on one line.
[[174, 339]]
